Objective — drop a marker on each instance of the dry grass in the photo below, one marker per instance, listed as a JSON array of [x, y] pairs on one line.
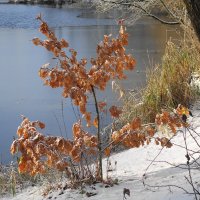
[[168, 84], [11, 181]]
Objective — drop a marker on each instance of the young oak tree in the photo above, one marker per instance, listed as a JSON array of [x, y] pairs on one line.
[[77, 157], [77, 82]]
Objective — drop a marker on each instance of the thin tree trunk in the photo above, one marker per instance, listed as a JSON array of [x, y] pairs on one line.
[[100, 167], [193, 8]]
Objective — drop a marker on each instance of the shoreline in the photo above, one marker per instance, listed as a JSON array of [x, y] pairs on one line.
[[61, 3], [71, 4]]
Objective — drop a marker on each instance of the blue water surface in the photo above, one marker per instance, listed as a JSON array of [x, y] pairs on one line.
[[23, 16]]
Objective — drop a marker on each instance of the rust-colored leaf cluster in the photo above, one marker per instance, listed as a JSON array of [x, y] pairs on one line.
[[39, 152], [168, 119], [173, 120], [83, 143], [71, 74], [115, 111], [135, 134]]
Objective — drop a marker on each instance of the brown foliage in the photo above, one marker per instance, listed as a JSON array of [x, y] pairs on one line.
[[115, 111], [71, 74], [135, 134], [39, 152]]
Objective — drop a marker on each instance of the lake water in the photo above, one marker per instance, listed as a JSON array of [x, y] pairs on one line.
[[22, 91]]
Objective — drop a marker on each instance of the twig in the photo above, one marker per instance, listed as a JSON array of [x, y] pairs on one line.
[[73, 110], [195, 161], [58, 124], [175, 166], [178, 145], [191, 184], [193, 137], [156, 156], [142, 9], [168, 10], [62, 110], [170, 185], [194, 131], [188, 164]]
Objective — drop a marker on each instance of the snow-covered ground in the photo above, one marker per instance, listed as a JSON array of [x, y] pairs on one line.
[[128, 167]]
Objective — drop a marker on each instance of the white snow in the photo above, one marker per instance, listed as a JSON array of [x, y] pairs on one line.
[[129, 167]]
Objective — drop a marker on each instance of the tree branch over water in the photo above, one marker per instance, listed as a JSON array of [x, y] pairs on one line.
[[138, 7]]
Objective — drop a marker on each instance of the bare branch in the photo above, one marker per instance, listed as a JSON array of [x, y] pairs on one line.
[[144, 9], [188, 164], [170, 185]]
